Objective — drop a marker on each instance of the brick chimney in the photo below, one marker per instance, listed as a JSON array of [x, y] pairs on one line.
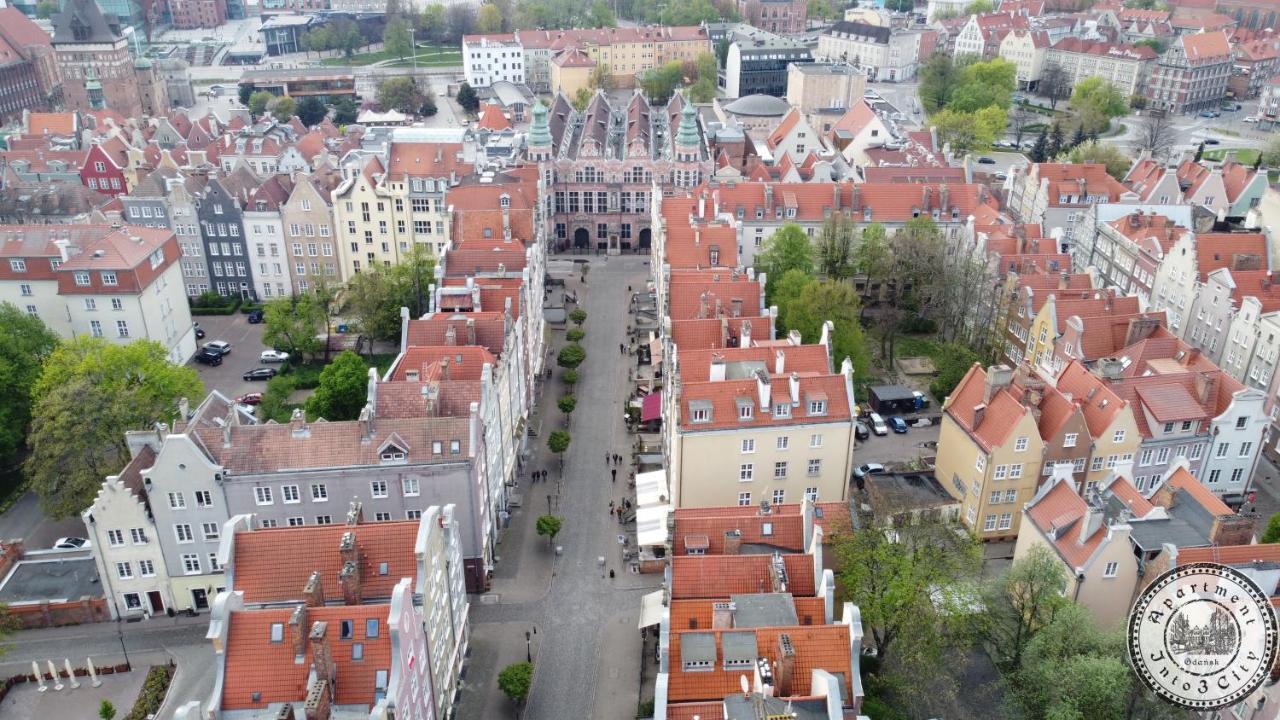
[[944, 198], [777, 573], [320, 692], [313, 592], [451, 335], [835, 197], [1140, 328], [350, 577], [285, 713], [732, 542], [1206, 384], [1191, 356], [471, 331], [979, 412], [786, 666], [297, 632], [722, 615]]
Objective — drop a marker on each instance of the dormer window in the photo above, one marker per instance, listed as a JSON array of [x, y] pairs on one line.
[[109, 278], [866, 214], [277, 632], [504, 201], [817, 407], [745, 410], [393, 454], [699, 411], [782, 410]]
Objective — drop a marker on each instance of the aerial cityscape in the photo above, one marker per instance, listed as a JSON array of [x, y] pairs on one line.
[[946, 383]]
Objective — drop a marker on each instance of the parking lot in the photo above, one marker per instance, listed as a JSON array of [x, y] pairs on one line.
[[246, 345], [894, 448]]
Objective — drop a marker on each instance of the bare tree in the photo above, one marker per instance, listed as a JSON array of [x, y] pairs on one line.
[[1055, 84], [1156, 135], [1019, 119]]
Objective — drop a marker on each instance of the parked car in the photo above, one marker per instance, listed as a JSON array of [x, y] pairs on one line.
[[222, 347], [273, 356], [877, 424], [984, 160], [211, 358], [262, 373], [868, 469], [255, 317], [1000, 177], [199, 331], [250, 399], [861, 431], [898, 424], [1212, 141], [71, 543], [1250, 119], [1208, 114]]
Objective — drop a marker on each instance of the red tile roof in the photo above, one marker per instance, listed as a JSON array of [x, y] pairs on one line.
[[433, 329], [1181, 479], [1136, 53], [492, 118], [122, 249], [785, 523], [695, 364], [1206, 46], [1093, 395], [705, 297], [723, 397], [825, 647], [273, 565], [254, 664], [1002, 413], [1231, 554], [42, 123], [1058, 512], [711, 332], [1067, 179], [464, 362], [716, 576], [426, 160]]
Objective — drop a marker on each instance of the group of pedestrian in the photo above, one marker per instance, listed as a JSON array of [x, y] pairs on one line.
[[622, 348], [619, 508], [538, 476], [612, 459]]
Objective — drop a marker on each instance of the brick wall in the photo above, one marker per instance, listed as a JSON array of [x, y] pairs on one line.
[[75, 612]]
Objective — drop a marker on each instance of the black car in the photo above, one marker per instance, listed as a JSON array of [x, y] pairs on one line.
[[984, 160], [861, 431], [260, 374], [205, 357], [199, 333], [255, 317]]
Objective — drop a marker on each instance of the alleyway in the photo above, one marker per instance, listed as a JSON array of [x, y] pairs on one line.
[[586, 648]]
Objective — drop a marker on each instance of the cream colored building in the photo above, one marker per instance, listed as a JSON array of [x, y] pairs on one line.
[[824, 86], [757, 424], [1026, 49]]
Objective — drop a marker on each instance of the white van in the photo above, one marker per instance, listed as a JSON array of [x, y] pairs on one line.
[[877, 424]]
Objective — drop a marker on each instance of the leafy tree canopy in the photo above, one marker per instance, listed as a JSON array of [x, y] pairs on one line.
[[515, 681], [343, 390], [25, 343]]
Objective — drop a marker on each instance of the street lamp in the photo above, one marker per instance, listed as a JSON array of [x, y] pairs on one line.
[[528, 646], [120, 634]]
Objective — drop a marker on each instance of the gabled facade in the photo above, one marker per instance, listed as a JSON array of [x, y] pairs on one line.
[[221, 221]]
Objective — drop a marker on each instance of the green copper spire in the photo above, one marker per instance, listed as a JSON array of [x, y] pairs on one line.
[[687, 135], [539, 134]]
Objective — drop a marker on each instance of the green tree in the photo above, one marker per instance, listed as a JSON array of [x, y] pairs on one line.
[[399, 93], [345, 111], [129, 387], [820, 301], [1055, 84], [106, 711], [467, 98], [1272, 533], [488, 19], [428, 107], [691, 12], [1271, 153], [515, 681], [275, 399], [46, 9], [371, 297], [293, 324], [581, 98], [905, 6], [661, 82], [412, 278], [1040, 150], [820, 9], [1154, 43], [787, 249], [397, 38], [1023, 600], [571, 356], [984, 84], [1105, 153], [896, 578], [311, 110], [706, 67], [1095, 95], [951, 362], [937, 78], [567, 404], [558, 442], [969, 131], [282, 108], [575, 334], [978, 7], [601, 15], [25, 343], [343, 390], [244, 92], [549, 525], [703, 91], [578, 316], [836, 243], [258, 101], [431, 22]]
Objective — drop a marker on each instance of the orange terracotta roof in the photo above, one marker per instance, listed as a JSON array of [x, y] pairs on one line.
[[1231, 554], [492, 118], [1093, 395], [1207, 46], [696, 711], [254, 664], [710, 298], [780, 133], [723, 396], [1065, 179], [711, 333], [695, 364], [1235, 178], [122, 249], [714, 576], [1002, 413], [1181, 479], [1058, 512], [273, 565], [825, 647], [42, 123], [1126, 493], [426, 160], [433, 329], [786, 529]]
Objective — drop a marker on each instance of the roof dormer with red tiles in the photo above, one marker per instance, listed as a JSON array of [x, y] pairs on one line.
[[105, 166]]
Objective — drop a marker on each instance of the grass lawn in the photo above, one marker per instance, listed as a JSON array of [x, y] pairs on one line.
[[427, 55], [1247, 156]]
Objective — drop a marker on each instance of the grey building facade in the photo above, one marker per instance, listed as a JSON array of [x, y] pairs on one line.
[[222, 232]]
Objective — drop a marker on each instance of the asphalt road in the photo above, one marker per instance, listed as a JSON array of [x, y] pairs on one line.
[[26, 521]]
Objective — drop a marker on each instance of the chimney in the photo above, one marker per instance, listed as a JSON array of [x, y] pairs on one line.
[[1135, 219], [1064, 281], [704, 305], [1191, 356], [451, 336], [286, 713], [184, 409], [998, 377], [1206, 384], [724, 333], [763, 390], [745, 340], [1090, 523], [312, 592], [355, 515], [1140, 328], [722, 615], [717, 368], [732, 542], [928, 197], [1109, 368], [735, 307], [768, 198], [835, 197], [321, 691], [856, 205], [793, 337], [349, 578], [944, 198], [779, 362], [786, 666], [297, 632], [1083, 188], [366, 424], [979, 412], [471, 331], [793, 386]]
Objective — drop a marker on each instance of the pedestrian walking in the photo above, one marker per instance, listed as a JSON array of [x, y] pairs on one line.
[[615, 474], [617, 459], [610, 574], [606, 458], [611, 508]]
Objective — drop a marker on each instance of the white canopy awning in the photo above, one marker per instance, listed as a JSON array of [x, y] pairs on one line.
[[651, 488], [651, 609], [651, 525]]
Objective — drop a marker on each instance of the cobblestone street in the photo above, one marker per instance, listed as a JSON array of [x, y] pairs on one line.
[[586, 648]]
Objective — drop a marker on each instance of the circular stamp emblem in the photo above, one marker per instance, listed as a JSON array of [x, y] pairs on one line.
[[1202, 636]]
